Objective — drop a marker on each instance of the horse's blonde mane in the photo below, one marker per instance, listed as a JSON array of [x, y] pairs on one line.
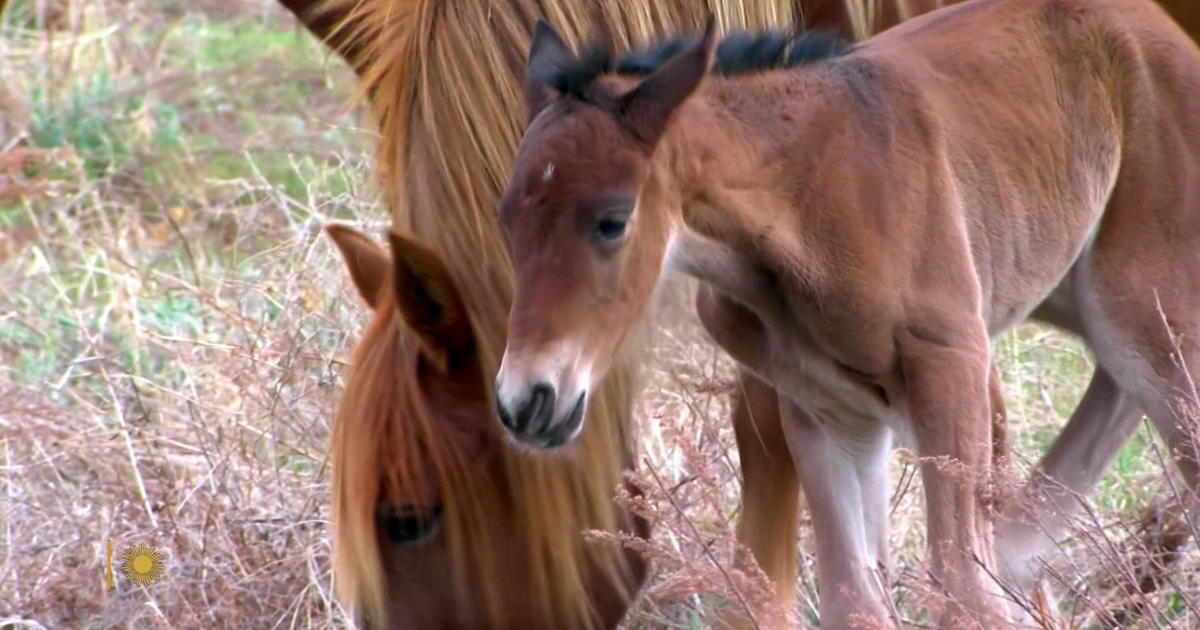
[[443, 79]]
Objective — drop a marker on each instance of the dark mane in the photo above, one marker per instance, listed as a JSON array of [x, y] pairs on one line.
[[739, 52], [575, 75]]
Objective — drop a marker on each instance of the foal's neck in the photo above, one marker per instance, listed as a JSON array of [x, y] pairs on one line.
[[734, 158]]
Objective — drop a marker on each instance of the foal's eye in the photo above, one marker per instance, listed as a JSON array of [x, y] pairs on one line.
[[611, 227], [408, 525]]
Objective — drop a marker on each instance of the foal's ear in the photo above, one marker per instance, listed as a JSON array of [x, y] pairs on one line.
[[429, 302], [646, 109], [547, 53], [367, 262]]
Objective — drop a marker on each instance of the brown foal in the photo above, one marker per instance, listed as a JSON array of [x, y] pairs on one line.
[[863, 225]]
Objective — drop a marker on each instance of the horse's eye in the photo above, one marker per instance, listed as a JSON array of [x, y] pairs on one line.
[[611, 227], [408, 525]]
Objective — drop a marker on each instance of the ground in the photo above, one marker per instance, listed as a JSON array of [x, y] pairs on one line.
[[174, 329]]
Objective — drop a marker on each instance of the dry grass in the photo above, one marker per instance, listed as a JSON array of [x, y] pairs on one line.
[[173, 327], [173, 321]]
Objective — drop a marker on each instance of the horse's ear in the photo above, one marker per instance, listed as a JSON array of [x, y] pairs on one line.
[[646, 109], [367, 262], [429, 302], [547, 53]]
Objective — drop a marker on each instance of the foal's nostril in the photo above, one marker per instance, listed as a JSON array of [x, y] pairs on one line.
[[531, 415], [540, 409]]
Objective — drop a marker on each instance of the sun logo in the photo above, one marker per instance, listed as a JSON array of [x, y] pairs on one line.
[[142, 564]]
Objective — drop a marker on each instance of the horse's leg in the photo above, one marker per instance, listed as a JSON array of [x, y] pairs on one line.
[[770, 488], [1175, 413], [1099, 426], [872, 465], [831, 463], [947, 367]]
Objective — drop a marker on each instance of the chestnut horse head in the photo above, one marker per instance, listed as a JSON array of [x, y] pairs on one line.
[[588, 222], [426, 496]]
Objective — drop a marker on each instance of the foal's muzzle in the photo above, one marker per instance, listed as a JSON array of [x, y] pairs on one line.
[[530, 418]]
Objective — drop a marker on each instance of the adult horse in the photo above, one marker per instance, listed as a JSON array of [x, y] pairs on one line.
[[442, 80], [863, 225]]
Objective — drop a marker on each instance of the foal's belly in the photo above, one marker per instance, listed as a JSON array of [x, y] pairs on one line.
[[798, 369], [1013, 290], [831, 395]]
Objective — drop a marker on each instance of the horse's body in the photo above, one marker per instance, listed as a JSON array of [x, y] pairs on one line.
[[1186, 13], [863, 226]]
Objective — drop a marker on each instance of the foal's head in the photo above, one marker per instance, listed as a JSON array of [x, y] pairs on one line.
[[588, 222], [427, 499]]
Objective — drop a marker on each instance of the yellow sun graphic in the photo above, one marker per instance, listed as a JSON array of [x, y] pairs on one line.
[[143, 564]]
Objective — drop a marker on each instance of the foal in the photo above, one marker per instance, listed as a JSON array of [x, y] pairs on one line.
[[863, 226]]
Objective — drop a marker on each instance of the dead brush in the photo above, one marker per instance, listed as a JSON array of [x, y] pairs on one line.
[[160, 383]]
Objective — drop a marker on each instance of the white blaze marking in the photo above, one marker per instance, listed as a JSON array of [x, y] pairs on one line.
[[548, 173]]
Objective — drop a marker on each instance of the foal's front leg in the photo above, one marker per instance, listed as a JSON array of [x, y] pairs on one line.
[[844, 477], [946, 372]]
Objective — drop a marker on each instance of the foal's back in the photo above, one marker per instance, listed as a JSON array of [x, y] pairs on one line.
[[1050, 123], [1087, 76]]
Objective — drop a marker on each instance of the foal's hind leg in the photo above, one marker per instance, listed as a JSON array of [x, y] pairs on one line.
[[1158, 369], [1140, 308], [1099, 426], [770, 487]]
